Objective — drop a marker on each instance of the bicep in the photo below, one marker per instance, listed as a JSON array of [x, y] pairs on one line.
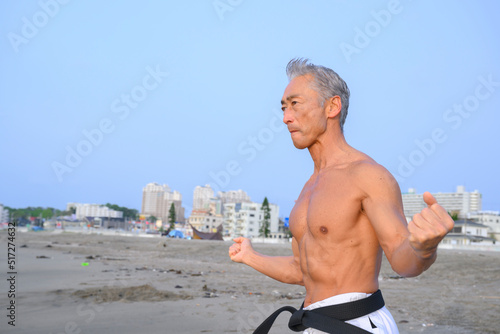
[[384, 209]]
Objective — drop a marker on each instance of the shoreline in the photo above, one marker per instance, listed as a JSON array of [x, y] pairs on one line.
[[112, 232]]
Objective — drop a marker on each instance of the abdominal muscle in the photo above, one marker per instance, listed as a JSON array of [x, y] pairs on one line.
[[330, 269]]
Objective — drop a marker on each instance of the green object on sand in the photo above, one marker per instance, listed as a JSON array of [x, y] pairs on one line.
[[84, 264]]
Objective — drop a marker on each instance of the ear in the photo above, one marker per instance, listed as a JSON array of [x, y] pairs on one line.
[[333, 106]]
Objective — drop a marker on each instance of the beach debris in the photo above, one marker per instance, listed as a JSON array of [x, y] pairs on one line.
[[91, 257], [23, 246], [49, 246], [206, 288], [176, 271], [210, 295], [84, 264], [178, 287], [403, 321], [42, 257], [142, 268], [197, 274], [395, 277]]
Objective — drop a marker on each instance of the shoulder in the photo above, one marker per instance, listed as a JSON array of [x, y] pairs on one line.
[[373, 178]]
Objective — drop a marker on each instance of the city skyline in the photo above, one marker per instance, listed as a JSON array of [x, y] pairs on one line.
[[188, 95], [412, 200]]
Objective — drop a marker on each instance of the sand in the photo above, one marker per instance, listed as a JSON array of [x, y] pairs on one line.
[[160, 285]]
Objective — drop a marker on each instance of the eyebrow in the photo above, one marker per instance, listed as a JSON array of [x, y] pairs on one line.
[[289, 98]]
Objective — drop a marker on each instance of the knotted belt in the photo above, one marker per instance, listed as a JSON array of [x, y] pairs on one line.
[[329, 319]]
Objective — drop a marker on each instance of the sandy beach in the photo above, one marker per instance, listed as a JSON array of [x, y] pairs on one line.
[[93, 283]]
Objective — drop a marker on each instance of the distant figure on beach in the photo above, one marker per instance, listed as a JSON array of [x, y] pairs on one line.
[[348, 214]]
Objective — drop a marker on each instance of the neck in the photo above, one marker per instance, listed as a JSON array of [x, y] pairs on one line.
[[330, 149]]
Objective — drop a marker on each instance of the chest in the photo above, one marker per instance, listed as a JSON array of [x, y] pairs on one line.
[[327, 206]]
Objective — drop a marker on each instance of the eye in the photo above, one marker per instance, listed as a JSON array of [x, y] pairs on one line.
[[294, 103]]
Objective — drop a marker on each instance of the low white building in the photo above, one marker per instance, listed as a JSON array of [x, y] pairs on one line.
[[244, 219], [94, 211], [4, 214], [468, 232], [488, 218]]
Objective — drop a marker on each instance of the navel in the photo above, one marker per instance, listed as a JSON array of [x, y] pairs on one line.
[[323, 230]]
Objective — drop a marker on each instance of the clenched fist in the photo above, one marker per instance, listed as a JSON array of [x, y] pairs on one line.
[[429, 227], [240, 249]]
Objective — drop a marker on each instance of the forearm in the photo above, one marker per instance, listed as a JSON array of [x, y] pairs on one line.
[[409, 262], [281, 268]]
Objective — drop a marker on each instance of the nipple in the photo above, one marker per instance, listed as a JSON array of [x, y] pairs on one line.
[[323, 230]]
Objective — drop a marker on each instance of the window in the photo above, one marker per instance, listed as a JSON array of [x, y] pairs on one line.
[[252, 215]]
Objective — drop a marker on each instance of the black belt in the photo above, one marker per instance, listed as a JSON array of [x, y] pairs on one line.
[[329, 319]]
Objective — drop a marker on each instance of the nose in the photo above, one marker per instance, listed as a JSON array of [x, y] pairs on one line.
[[287, 116]]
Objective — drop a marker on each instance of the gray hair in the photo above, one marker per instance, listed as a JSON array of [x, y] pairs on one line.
[[326, 82]]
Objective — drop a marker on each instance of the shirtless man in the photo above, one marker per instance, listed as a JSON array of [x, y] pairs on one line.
[[349, 212]]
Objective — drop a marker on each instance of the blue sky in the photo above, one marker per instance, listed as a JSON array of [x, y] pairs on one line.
[[97, 99]]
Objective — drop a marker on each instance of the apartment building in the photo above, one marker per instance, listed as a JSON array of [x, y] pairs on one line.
[[460, 201], [205, 222], [244, 219], [157, 200]]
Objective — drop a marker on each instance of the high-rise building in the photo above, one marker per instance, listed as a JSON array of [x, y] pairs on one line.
[[202, 197], [460, 202], [157, 200], [233, 196], [244, 219], [206, 203]]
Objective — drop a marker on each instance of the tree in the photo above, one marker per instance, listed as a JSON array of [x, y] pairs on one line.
[[171, 216], [127, 213], [454, 215], [264, 224]]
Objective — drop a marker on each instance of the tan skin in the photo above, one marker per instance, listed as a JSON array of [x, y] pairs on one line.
[[348, 213]]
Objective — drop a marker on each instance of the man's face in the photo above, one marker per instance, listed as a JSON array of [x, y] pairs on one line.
[[302, 112]]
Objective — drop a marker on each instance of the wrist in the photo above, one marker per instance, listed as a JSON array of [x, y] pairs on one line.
[[422, 251], [250, 257]]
